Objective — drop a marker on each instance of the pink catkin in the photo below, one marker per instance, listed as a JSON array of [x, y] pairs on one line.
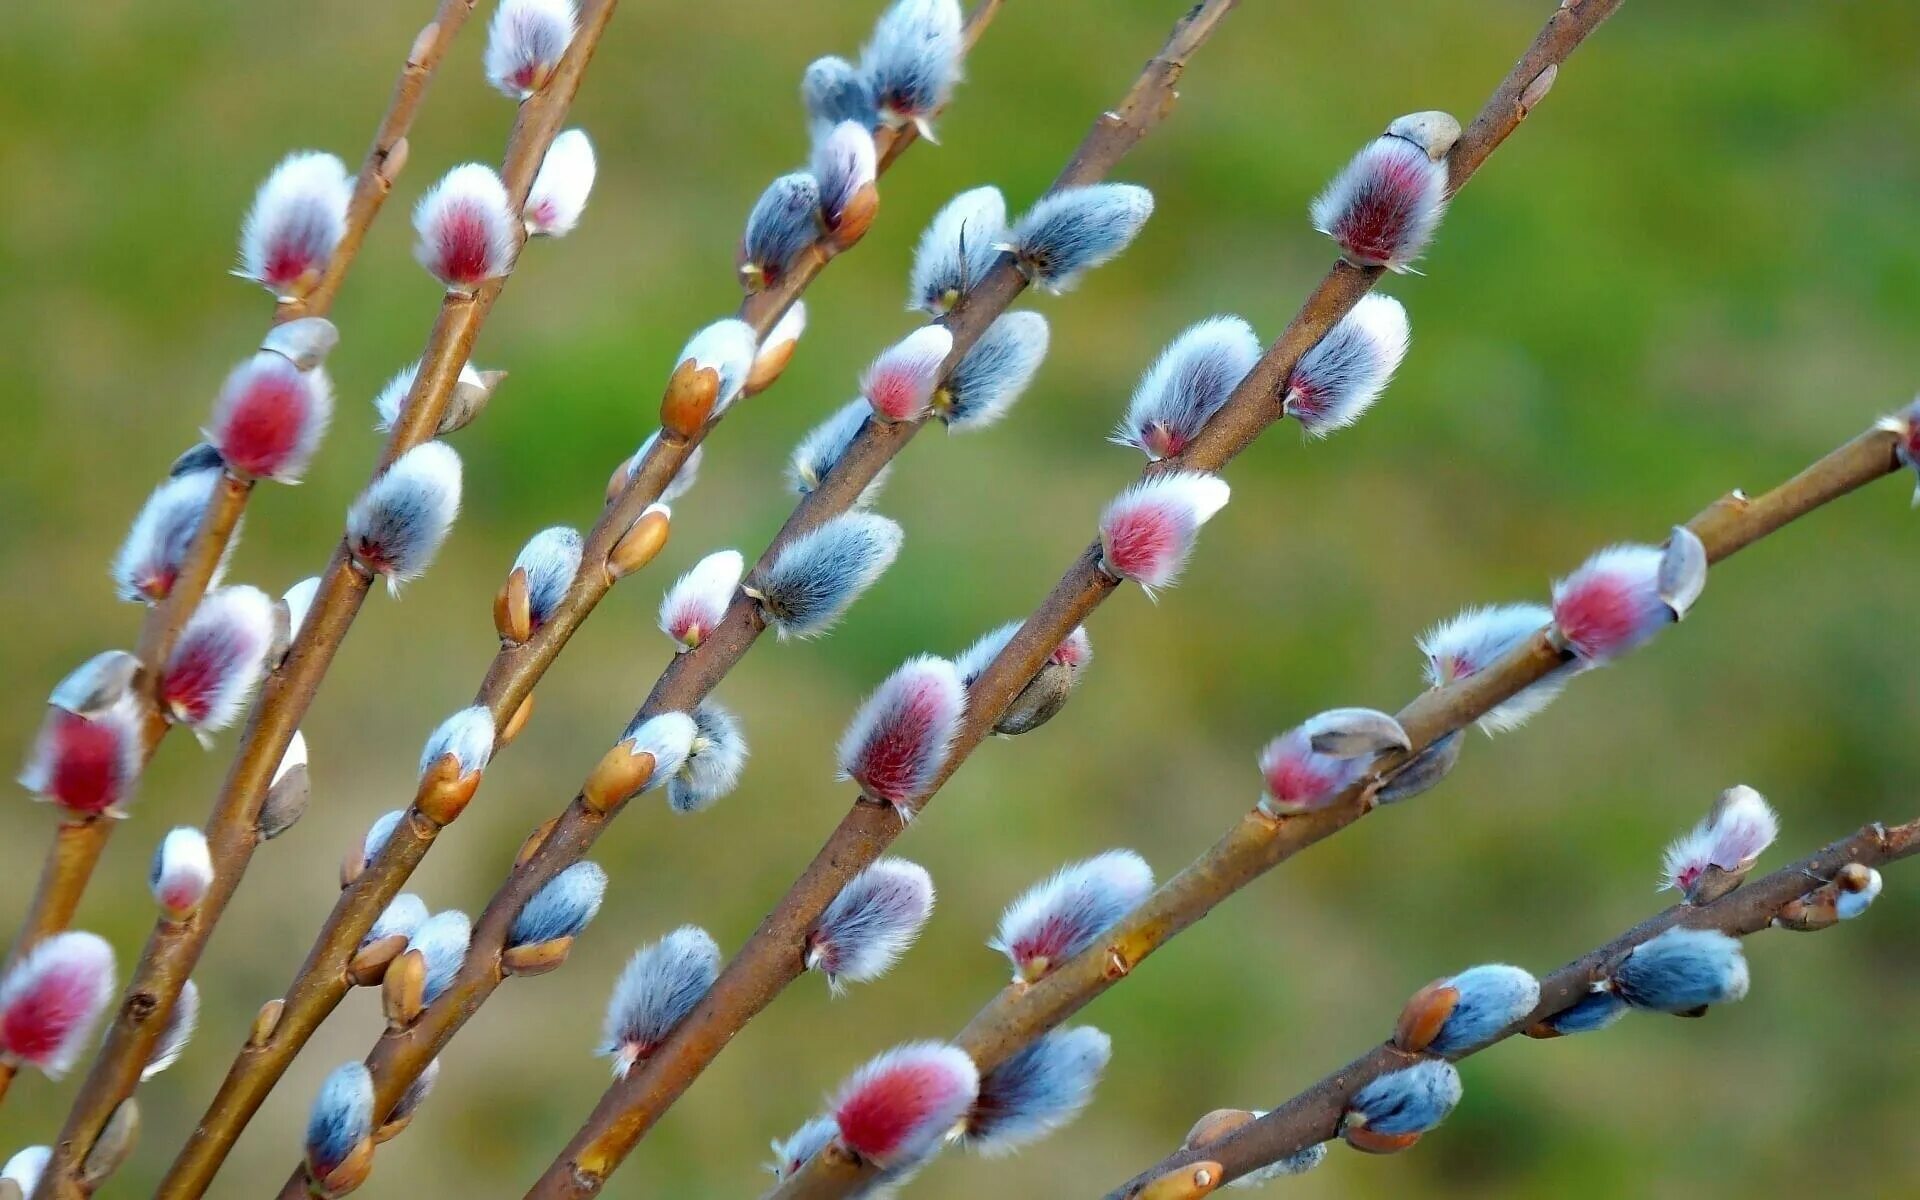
[[1599, 616], [1142, 540], [885, 1115], [893, 759], [464, 244], [39, 1021], [266, 424], [87, 773], [1374, 227]]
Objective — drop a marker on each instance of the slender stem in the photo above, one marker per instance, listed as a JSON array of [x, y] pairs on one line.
[[516, 669], [1314, 1115], [232, 830], [772, 957], [71, 860]]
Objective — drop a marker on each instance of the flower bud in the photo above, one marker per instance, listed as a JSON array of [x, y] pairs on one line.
[[548, 564], [1611, 604], [1300, 779], [1073, 230], [1469, 643], [1411, 1100], [289, 792], [182, 1020], [659, 987], [1423, 772], [269, 418], [784, 222], [899, 740], [561, 188], [399, 522], [156, 547], [1354, 733], [776, 349], [298, 217], [1489, 998], [525, 43], [1336, 381], [641, 543], [646, 757], [86, 765], [1713, 857], [102, 682], [714, 762], [408, 1104], [25, 1168], [1683, 571], [897, 1108], [53, 998], [793, 1153], [1859, 887], [340, 1125], [957, 250], [1148, 532], [442, 942], [304, 341], [466, 230], [697, 601], [1682, 970], [218, 659], [833, 91], [181, 872], [899, 384], [992, 374], [1595, 1010], [682, 482], [472, 390], [713, 370], [844, 167], [871, 923], [561, 908], [823, 447], [1293, 1164], [1042, 1087], [822, 572], [1385, 205], [1187, 384], [913, 61], [1046, 693], [1068, 912]]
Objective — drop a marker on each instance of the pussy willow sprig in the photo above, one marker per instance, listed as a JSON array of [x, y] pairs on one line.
[[1312, 793], [631, 528], [405, 1052], [233, 829], [81, 837], [772, 957], [1677, 961]]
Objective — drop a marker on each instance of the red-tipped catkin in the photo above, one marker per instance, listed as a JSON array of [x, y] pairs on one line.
[[218, 660], [181, 873], [1299, 778], [1384, 207], [899, 385], [898, 1107], [1187, 384], [871, 923], [525, 43], [52, 999], [269, 418], [399, 522], [1474, 640], [1611, 604], [1729, 839], [843, 164], [1147, 533], [658, 988], [913, 61], [86, 764], [899, 739], [466, 228], [695, 603], [1059, 917], [1337, 381], [150, 559], [297, 218], [561, 188]]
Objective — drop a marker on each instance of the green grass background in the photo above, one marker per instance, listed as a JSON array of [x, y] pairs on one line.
[[1694, 268]]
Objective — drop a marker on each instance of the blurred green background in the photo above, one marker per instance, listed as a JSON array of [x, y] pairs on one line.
[[1693, 269]]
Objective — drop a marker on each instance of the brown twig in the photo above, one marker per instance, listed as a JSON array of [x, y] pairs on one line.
[[401, 1055], [80, 841], [1314, 1115], [517, 668], [773, 957], [1022, 1012], [232, 829]]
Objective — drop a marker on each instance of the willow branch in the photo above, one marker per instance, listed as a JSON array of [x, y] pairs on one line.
[[774, 956], [401, 1055], [1314, 1115], [232, 829], [80, 840], [1022, 1012], [508, 684]]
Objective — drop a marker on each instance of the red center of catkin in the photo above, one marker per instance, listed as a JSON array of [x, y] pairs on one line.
[[1687, 876], [541, 213], [265, 425], [896, 752], [1598, 616], [1299, 779], [1162, 440], [294, 252], [180, 892], [1141, 541], [1375, 224], [194, 678], [894, 393], [1067, 654], [86, 764], [464, 244], [1049, 940], [39, 1020], [1305, 401], [877, 1120]]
